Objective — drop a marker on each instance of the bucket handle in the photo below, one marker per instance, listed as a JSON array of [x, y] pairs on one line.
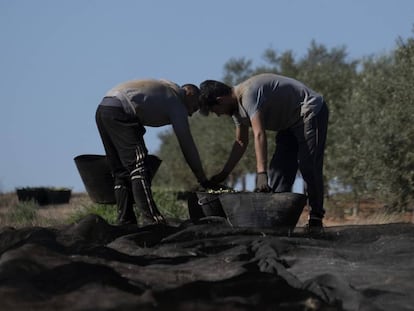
[[205, 200]]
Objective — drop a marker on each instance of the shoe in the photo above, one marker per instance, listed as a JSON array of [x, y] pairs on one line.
[[315, 226]]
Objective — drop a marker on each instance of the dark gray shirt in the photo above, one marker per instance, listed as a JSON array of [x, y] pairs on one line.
[[157, 103], [284, 102]]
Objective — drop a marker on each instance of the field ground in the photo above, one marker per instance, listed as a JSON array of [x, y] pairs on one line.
[[338, 213]]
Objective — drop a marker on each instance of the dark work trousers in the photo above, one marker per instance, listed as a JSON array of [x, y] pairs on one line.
[[302, 147], [122, 137]]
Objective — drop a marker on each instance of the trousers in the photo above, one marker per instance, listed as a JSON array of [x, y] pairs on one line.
[[123, 139], [302, 148]]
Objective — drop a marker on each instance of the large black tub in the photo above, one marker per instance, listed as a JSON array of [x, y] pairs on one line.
[[96, 177], [265, 210]]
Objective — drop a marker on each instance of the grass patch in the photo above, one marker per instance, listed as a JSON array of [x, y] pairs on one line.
[[167, 202], [23, 213], [106, 211], [29, 213], [170, 205]]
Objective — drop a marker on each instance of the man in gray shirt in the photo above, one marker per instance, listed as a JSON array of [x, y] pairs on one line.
[[299, 115], [121, 117]]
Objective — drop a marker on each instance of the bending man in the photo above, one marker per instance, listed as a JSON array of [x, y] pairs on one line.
[[299, 115], [121, 117]]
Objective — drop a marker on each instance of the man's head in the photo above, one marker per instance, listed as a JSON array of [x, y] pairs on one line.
[[210, 92], [192, 95]]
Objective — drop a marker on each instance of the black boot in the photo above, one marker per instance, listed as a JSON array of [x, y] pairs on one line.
[[145, 202], [315, 226], [125, 201]]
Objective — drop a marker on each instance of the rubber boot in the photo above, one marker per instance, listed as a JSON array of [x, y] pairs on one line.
[[145, 202], [125, 201], [315, 226]]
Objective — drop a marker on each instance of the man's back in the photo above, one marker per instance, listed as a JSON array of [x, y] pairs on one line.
[[156, 102]]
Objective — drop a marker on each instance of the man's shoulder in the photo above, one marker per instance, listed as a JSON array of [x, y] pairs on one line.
[[169, 83]]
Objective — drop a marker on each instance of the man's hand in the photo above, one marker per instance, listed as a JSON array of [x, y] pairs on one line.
[[261, 183], [208, 184]]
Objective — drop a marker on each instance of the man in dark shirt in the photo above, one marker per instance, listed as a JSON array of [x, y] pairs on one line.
[[299, 115], [121, 117]]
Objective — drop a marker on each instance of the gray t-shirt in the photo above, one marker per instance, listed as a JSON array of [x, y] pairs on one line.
[[284, 102], [157, 103]]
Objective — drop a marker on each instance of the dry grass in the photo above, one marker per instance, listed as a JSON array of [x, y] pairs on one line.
[[55, 213], [44, 215], [338, 213], [341, 212]]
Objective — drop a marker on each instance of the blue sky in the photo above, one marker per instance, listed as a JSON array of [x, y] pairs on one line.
[[58, 58]]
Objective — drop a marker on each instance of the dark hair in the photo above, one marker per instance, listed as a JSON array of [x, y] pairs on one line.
[[192, 87], [209, 91]]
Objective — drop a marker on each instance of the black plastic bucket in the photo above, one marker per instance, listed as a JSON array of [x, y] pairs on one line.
[[266, 210], [203, 204], [97, 178]]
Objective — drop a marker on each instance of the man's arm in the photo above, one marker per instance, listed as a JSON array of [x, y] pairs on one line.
[[260, 142], [185, 139], [237, 151], [260, 147]]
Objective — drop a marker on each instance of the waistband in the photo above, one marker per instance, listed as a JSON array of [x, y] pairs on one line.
[[125, 101], [111, 101], [111, 106]]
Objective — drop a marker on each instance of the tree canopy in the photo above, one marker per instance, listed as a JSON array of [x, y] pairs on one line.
[[370, 137]]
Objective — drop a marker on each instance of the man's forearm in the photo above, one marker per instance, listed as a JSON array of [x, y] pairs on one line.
[[236, 153], [260, 146]]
